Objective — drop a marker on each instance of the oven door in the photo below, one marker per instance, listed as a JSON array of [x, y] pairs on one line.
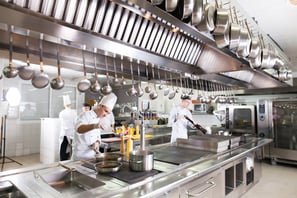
[[241, 119]]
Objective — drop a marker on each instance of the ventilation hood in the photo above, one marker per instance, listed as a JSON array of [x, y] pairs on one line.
[[131, 30]]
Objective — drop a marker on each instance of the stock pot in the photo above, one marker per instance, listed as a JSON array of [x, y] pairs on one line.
[[141, 160]]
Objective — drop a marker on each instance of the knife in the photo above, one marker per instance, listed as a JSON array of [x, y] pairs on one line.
[[198, 126]]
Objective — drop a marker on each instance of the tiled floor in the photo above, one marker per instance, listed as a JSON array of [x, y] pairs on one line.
[[277, 180]]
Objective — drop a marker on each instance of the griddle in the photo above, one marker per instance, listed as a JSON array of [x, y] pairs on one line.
[[127, 175], [178, 155]]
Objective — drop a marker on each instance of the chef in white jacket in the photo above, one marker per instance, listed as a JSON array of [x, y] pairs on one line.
[[67, 119], [87, 138], [177, 119]]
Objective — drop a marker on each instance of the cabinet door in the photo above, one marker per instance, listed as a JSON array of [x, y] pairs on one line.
[[208, 186]]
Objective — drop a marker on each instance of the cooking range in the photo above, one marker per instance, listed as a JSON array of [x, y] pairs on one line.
[[125, 174]]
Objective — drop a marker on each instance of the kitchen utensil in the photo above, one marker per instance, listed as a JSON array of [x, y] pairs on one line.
[[132, 91], [109, 157], [26, 72], [123, 81], [170, 5], [172, 92], [234, 32], [166, 89], [115, 80], [161, 85], [57, 83], [147, 88], [199, 127], [107, 89], [84, 84], [67, 167], [197, 13], [95, 86], [108, 166], [154, 94], [141, 160], [243, 48], [139, 89], [10, 71], [41, 79]]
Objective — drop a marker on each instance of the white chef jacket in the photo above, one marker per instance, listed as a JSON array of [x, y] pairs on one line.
[[82, 142], [179, 128], [67, 119]]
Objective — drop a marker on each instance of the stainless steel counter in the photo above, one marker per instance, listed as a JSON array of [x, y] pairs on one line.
[[34, 181]]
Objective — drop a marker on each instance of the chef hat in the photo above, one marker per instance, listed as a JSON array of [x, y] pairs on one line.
[[109, 100], [66, 100]]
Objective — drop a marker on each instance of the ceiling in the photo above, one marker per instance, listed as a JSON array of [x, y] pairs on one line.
[[275, 17]]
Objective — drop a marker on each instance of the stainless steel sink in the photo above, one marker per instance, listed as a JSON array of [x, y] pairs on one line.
[[68, 182], [7, 189]]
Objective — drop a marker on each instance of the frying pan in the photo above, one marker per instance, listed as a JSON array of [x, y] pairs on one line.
[[199, 127]]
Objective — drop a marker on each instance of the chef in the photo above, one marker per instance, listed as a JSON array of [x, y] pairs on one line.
[[177, 119], [67, 119], [87, 138]]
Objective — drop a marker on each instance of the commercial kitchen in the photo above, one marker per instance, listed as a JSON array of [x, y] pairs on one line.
[[149, 54]]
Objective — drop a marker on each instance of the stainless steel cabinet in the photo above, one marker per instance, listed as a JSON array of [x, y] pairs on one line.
[[208, 186]]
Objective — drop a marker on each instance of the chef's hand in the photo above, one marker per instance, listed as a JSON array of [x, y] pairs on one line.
[[101, 126], [95, 146]]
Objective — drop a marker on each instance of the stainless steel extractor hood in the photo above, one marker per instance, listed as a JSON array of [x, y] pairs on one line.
[[132, 29]]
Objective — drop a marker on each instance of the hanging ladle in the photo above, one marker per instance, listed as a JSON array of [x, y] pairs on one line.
[[147, 88], [26, 72], [58, 83], [10, 71], [40, 80], [172, 92], [107, 89], [161, 85], [123, 81], [132, 91], [139, 89], [84, 84], [153, 94], [166, 90], [95, 86], [115, 80]]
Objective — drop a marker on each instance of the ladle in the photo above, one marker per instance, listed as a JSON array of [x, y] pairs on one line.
[[95, 86], [84, 84], [172, 92], [166, 89], [161, 85], [147, 88], [123, 81], [132, 91], [26, 72], [153, 94], [107, 89], [57, 83], [139, 89], [10, 71], [41, 79], [115, 80]]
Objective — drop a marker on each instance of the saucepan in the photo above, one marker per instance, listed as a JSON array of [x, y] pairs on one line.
[[141, 160]]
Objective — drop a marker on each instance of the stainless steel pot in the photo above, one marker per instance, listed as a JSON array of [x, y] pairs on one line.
[[141, 160]]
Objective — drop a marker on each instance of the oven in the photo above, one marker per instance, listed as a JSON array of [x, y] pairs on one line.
[[241, 119], [277, 119]]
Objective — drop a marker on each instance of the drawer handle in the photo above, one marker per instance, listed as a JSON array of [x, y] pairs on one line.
[[210, 185]]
